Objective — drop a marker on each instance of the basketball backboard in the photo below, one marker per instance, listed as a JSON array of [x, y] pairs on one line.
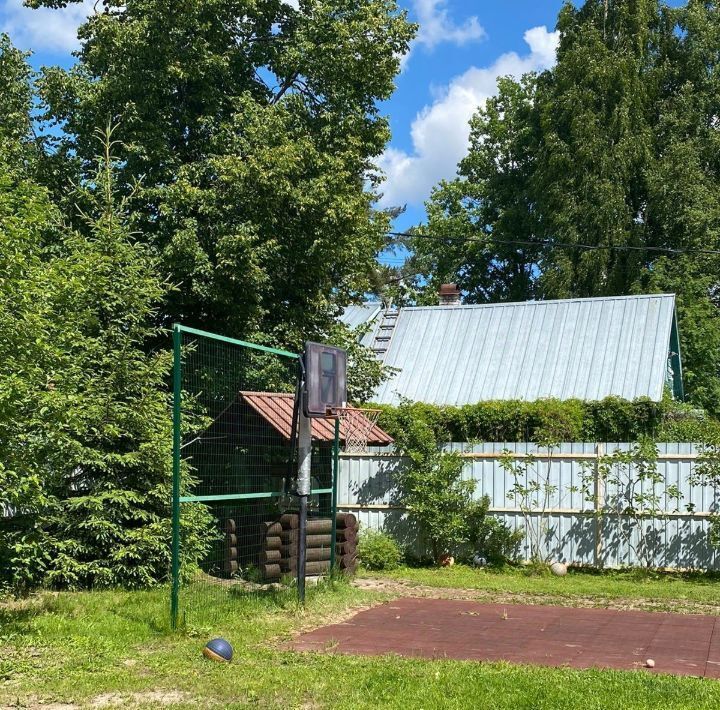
[[325, 379]]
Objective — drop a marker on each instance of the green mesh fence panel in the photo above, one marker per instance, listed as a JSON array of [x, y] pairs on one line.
[[234, 503]]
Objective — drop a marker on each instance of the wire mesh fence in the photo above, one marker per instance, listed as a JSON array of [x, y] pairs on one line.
[[234, 508]]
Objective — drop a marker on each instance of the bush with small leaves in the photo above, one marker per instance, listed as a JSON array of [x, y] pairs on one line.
[[497, 542], [378, 551]]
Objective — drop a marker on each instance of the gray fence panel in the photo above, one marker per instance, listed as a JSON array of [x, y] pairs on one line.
[[366, 486]]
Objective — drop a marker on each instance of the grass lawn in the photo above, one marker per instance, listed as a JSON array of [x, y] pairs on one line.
[[668, 590], [105, 649]]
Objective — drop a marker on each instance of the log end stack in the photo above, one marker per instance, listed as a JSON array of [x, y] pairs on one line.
[[260, 544], [231, 563], [280, 546], [270, 554]]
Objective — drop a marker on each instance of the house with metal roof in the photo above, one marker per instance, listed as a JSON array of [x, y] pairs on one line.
[[581, 348]]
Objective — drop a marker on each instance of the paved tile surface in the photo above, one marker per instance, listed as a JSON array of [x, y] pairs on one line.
[[542, 635]]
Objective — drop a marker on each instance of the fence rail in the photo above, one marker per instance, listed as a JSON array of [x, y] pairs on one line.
[[576, 532]]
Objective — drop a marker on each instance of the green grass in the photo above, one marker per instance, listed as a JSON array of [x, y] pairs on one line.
[[114, 647], [702, 588]]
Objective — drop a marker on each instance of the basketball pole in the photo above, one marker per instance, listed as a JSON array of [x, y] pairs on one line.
[[303, 491]]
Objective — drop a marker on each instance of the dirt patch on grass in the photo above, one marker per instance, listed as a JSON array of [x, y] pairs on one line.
[[35, 705], [149, 698], [398, 588]]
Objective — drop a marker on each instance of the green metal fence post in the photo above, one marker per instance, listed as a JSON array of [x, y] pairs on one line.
[[177, 384], [335, 472]]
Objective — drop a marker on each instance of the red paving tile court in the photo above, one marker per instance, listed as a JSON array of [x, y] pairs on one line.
[[542, 635]]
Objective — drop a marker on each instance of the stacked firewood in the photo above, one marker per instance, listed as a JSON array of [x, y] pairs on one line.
[[279, 553], [232, 565]]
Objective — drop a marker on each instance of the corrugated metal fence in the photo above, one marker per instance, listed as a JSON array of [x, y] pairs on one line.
[[574, 532]]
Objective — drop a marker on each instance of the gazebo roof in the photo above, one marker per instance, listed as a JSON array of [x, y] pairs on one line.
[[277, 409]]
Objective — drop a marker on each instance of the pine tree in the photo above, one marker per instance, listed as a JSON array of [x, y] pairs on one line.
[[87, 409]]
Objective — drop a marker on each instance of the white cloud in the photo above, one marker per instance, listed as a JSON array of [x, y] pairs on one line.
[[436, 26], [440, 131], [43, 29]]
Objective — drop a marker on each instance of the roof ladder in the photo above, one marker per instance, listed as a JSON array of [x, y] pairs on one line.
[[384, 332]]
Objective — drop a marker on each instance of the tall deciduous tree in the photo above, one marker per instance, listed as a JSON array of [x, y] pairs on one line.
[[250, 127], [597, 110], [491, 201]]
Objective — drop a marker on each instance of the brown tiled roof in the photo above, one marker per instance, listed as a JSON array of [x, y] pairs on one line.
[[277, 409]]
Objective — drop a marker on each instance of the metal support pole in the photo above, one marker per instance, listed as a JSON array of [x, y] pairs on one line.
[[303, 490], [177, 394], [335, 473], [599, 501]]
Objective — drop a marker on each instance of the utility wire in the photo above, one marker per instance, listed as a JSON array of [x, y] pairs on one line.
[[551, 243]]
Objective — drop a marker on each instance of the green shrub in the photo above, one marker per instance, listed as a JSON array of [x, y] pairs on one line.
[[431, 487], [611, 419], [497, 542], [378, 551]]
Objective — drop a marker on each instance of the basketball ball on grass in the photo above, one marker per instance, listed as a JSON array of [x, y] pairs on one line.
[[218, 650]]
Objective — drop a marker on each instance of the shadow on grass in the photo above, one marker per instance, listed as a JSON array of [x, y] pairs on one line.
[[212, 606], [17, 614]]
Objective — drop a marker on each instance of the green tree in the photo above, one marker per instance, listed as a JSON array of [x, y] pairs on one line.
[[15, 101], [26, 219], [250, 128], [597, 109], [491, 200], [85, 430]]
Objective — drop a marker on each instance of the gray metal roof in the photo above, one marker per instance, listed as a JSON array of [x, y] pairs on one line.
[[359, 314], [578, 348]]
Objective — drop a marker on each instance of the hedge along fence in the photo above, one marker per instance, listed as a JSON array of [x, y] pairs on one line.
[[611, 419], [602, 505]]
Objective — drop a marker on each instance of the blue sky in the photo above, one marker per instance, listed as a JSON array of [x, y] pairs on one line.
[[453, 66], [461, 49]]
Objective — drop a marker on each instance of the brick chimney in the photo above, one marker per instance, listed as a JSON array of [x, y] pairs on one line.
[[449, 295]]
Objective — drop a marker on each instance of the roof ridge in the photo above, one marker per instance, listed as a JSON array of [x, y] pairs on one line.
[[547, 302]]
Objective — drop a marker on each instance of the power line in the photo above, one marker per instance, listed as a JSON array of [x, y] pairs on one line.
[[551, 243]]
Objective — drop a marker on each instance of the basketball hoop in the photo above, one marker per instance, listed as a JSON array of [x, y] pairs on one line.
[[356, 426]]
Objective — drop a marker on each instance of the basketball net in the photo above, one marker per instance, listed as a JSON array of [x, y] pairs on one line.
[[356, 425]]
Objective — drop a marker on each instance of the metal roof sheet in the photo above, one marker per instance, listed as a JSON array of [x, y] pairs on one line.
[[360, 313], [277, 409], [577, 348]]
